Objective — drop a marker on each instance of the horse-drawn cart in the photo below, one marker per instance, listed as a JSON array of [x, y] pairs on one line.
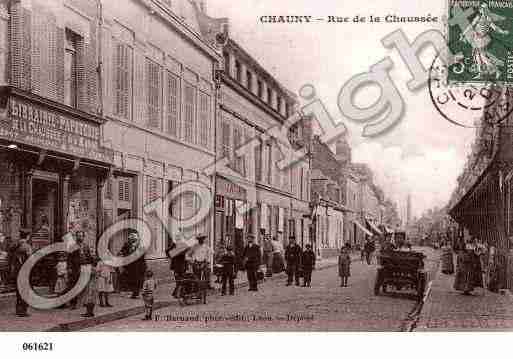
[[401, 269]]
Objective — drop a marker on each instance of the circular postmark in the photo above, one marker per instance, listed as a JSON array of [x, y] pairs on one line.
[[468, 104]]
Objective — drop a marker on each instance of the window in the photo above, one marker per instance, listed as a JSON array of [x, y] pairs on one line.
[[258, 161], [154, 94], [260, 89], [70, 68], [153, 189], [225, 139], [301, 185], [278, 104], [237, 142], [190, 112], [226, 62], [269, 161], [249, 79], [287, 109], [238, 71], [204, 119], [108, 189], [122, 64], [124, 190], [173, 101], [269, 96]]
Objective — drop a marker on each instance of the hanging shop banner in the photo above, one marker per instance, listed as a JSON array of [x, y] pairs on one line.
[[229, 189], [32, 124]]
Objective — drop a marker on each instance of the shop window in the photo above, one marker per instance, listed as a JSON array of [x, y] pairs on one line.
[[173, 104], [70, 68], [204, 120], [190, 112], [154, 94], [123, 78]]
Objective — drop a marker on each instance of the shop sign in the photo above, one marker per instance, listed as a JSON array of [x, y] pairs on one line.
[[35, 125], [229, 189]]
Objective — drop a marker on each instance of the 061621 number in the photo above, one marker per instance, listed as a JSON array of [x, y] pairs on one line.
[[36, 347]]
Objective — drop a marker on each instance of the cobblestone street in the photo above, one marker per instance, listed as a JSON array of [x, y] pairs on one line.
[[324, 306]]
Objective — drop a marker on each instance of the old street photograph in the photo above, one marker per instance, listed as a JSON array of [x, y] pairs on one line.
[[255, 166]]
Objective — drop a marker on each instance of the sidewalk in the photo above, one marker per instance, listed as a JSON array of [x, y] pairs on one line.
[[448, 310], [123, 306]]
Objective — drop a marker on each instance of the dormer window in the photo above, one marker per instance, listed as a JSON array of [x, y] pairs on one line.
[[249, 79], [260, 89], [238, 71]]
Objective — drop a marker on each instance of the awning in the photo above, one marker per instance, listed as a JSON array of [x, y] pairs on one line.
[[362, 228], [374, 227]]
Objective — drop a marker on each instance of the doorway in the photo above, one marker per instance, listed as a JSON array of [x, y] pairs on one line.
[[44, 212]]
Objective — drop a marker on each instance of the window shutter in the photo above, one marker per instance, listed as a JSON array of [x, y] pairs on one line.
[[172, 104], [190, 113]]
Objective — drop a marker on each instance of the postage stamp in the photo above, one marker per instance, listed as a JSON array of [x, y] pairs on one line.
[[485, 44]]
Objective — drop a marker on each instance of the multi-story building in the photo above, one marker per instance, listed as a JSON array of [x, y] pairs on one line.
[[328, 199], [104, 108], [253, 195], [52, 157], [159, 99]]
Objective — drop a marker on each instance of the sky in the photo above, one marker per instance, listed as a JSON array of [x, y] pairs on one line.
[[424, 154]]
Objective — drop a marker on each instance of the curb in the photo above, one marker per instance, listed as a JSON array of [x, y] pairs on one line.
[[110, 317]]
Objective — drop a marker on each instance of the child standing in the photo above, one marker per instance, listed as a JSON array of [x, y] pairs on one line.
[[228, 274], [149, 287], [61, 285], [105, 282], [344, 265]]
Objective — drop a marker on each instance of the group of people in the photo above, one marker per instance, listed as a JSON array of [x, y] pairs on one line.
[[471, 264]]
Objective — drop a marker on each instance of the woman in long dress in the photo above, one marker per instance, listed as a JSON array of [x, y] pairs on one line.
[[465, 279], [447, 259]]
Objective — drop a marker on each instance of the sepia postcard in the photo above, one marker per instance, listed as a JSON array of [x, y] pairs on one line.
[[255, 166]]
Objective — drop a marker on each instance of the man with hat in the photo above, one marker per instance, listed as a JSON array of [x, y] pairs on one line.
[[21, 252], [137, 269], [251, 258], [308, 262], [293, 259]]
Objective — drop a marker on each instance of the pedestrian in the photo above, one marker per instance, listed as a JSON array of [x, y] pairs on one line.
[[251, 259], [148, 290], [447, 259], [278, 264], [61, 268], [74, 265], [228, 274], [344, 265], [177, 265], [135, 270], [90, 292], [464, 280], [308, 262], [368, 249], [268, 256], [104, 282], [293, 258], [21, 253], [199, 255]]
